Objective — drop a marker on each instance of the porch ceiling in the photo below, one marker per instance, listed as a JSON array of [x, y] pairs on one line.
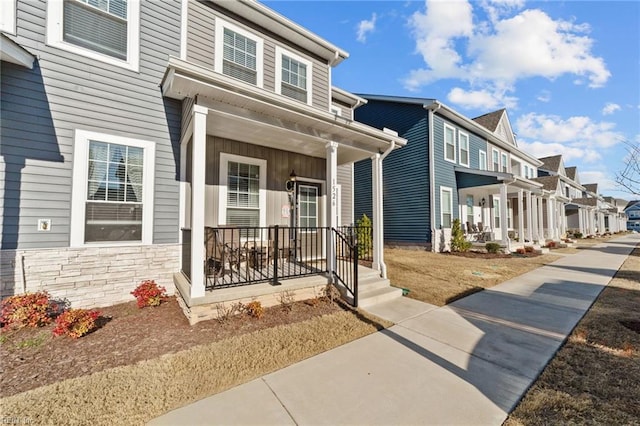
[[472, 178], [242, 112]]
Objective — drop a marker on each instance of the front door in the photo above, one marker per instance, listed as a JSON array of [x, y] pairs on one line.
[[308, 220]]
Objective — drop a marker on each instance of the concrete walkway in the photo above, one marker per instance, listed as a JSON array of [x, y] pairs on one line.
[[469, 362]]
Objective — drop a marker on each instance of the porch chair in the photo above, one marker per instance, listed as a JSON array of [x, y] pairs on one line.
[[225, 252]]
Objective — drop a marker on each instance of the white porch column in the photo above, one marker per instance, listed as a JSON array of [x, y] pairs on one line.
[[550, 218], [376, 220], [540, 222], [198, 172], [504, 230], [520, 217], [332, 202], [529, 217]]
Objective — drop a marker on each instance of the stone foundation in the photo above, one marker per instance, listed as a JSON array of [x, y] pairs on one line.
[[88, 277]]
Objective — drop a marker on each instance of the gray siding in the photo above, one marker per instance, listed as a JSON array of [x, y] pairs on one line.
[[345, 180], [201, 49], [41, 109], [405, 173]]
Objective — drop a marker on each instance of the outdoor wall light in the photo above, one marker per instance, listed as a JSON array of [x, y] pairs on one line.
[[482, 202]]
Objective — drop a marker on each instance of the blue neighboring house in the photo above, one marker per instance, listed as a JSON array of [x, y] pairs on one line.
[[632, 210], [452, 167]]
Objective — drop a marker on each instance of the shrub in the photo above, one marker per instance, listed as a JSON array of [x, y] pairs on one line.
[[551, 244], [148, 293], [76, 323], [286, 299], [27, 310], [364, 234], [520, 250], [528, 249], [492, 247], [254, 309], [458, 242]]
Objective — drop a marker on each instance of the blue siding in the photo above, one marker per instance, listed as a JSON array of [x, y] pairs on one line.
[[405, 173], [444, 173]]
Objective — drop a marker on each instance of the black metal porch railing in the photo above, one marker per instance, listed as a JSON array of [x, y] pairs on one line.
[[346, 266], [364, 236]]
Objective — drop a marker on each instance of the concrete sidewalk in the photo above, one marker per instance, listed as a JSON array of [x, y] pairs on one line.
[[468, 362]]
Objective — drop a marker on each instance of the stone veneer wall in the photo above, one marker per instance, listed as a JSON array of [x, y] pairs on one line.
[[90, 276]]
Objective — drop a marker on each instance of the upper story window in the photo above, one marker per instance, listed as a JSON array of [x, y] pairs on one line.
[[106, 30], [526, 171], [482, 160], [238, 53], [496, 160], [8, 16], [505, 163], [293, 78], [463, 144], [449, 143]]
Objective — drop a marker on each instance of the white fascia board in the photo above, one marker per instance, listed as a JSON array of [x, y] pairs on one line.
[[10, 51]]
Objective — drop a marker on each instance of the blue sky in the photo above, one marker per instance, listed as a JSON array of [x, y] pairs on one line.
[[568, 72]]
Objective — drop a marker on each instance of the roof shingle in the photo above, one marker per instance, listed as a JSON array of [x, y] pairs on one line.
[[551, 163], [490, 120]]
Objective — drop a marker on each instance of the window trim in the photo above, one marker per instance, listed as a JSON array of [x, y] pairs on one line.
[[279, 53], [8, 16], [470, 209], [220, 25], [496, 214], [482, 153], [453, 129], [466, 135], [493, 163], [55, 37], [504, 162], [225, 158], [444, 189], [79, 187]]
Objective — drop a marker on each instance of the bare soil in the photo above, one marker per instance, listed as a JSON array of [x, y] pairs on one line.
[[31, 358]]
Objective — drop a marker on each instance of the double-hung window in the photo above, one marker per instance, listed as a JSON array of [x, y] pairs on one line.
[[482, 160], [112, 189], [238, 53], [293, 78], [526, 171], [463, 144], [446, 207], [106, 30], [505, 164], [470, 209], [449, 143], [242, 191], [496, 213], [496, 160]]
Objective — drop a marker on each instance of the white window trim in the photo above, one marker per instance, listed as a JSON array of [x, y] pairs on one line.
[[466, 135], [444, 137], [504, 162], [279, 52], [492, 162], [222, 185], [8, 16], [79, 191], [496, 213], [220, 25], [55, 13], [480, 165], [450, 191]]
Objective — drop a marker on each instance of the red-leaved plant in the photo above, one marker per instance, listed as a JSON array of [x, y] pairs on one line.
[[27, 310], [148, 293], [76, 323]]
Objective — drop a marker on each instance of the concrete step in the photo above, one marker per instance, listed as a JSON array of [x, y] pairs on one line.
[[372, 283], [379, 295], [364, 273]]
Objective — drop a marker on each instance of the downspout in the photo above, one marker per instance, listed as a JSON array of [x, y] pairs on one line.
[[432, 108], [383, 266]]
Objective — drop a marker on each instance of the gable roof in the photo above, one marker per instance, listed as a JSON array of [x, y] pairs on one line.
[[586, 201], [550, 183], [632, 204], [591, 187], [552, 163], [571, 173], [490, 120]]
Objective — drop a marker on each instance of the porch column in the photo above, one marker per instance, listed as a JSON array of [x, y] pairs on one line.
[[540, 222], [332, 202], [198, 171], [520, 217], [376, 220], [504, 230], [551, 218], [529, 218]]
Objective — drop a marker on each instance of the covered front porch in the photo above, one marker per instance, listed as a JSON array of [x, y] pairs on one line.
[[260, 198]]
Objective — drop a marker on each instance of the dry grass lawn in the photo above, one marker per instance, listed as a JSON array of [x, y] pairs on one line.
[[442, 278], [134, 394], [595, 377]]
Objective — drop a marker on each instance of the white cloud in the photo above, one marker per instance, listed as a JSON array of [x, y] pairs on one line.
[[544, 96], [365, 27], [569, 153], [574, 130], [610, 108], [481, 99], [494, 55], [603, 179]]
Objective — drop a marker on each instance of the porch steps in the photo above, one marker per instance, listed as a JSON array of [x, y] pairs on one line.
[[372, 289]]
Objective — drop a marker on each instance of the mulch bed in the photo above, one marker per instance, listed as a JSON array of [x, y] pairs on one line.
[[33, 357]]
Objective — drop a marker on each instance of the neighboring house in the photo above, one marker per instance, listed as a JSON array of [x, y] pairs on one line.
[[452, 167], [127, 125], [632, 211]]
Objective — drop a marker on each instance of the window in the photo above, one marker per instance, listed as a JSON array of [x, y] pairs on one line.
[[238, 53], [496, 161], [8, 16], [308, 204], [470, 209], [294, 79], [566, 189], [446, 207], [463, 141], [509, 215], [526, 171], [242, 191], [106, 30], [532, 173], [449, 143], [482, 160], [112, 197], [505, 164], [496, 213]]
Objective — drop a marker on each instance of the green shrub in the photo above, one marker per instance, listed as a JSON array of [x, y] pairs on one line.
[[364, 234], [577, 235], [76, 323], [492, 247], [27, 310], [458, 242]]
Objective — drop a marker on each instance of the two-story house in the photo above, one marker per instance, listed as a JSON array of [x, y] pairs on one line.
[[632, 211], [146, 139]]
